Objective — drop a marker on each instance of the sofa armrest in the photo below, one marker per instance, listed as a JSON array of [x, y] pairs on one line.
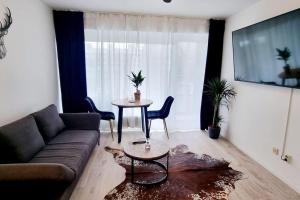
[[45, 181], [81, 121], [36, 172]]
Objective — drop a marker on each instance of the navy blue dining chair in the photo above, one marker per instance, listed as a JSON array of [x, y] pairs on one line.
[[108, 116], [163, 113]]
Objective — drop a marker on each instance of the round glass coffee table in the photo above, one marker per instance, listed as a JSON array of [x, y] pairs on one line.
[[158, 151]]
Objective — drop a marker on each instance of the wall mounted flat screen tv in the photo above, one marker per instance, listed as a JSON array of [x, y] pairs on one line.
[[269, 52]]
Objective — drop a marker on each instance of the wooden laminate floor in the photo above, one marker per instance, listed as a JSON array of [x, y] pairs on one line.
[[102, 174]]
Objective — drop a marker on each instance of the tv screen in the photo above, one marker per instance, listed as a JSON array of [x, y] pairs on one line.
[[269, 52]]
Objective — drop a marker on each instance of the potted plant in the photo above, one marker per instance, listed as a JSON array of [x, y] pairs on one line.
[[284, 55], [137, 80], [221, 93]]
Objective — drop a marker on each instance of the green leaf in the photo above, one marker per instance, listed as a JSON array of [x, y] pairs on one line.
[[221, 93], [283, 54], [136, 79]]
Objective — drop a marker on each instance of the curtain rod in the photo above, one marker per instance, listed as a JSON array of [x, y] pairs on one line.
[[139, 14]]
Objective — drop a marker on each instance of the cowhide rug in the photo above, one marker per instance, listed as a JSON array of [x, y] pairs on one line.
[[190, 177]]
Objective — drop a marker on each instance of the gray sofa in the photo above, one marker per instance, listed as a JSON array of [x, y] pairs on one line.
[[43, 155]]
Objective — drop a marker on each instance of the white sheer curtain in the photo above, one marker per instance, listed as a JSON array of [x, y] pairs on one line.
[[171, 52]]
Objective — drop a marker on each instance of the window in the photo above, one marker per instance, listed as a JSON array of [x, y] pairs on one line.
[[172, 61]]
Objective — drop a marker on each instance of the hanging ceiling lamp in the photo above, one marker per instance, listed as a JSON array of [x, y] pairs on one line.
[[167, 1]]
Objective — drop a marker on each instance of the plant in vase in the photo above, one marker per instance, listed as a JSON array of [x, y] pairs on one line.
[[284, 55], [221, 93], [137, 80]]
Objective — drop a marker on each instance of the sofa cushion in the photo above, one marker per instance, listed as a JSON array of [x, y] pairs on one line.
[[89, 137], [71, 148], [49, 122], [20, 141]]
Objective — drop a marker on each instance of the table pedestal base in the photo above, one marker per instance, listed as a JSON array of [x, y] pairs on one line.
[[165, 168]]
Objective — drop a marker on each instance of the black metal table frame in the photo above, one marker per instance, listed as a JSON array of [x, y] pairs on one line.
[[144, 119], [162, 166]]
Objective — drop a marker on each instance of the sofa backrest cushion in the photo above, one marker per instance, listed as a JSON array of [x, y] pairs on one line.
[[20, 141], [49, 122]]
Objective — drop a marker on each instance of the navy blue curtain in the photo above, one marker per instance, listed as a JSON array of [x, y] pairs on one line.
[[69, 29], [213, 68]]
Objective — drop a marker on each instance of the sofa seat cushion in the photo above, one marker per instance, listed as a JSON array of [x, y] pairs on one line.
[[89, 137], [73, 156], [20, 141], [71, 148], [49, 122]]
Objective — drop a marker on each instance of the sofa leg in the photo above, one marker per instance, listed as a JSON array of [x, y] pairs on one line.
[[99, 134]]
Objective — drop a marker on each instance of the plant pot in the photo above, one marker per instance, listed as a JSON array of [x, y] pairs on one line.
[[137, 95], [287, 69], [214, 132]]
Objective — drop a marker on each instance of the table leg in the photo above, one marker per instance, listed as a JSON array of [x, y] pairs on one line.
[[146, 122], [168, 165], [132, 170], [143, 119], [120, 123]]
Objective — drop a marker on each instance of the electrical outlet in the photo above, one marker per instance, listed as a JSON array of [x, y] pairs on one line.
[[275, 151], [287, 158]]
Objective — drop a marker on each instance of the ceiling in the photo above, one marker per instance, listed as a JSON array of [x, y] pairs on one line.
[[190, 8]]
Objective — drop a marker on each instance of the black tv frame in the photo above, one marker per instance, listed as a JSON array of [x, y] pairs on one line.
[[260, 83]]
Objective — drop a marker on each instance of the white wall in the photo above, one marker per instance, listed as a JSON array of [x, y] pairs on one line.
[[28, 74], [257, 120]]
